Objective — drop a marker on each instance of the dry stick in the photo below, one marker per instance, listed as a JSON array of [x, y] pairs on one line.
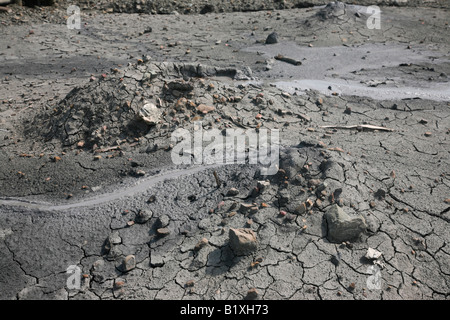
[[360, 127], [217, 179], [288, 60], [107, 149]]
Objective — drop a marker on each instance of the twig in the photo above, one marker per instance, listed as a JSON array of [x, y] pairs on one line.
[[360, 127], [107, 149], [288, 60]]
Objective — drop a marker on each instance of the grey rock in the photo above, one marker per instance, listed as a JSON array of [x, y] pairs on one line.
[[128, 263], [162, 232], [342, 227], [143, 216], [242, 241], [203, 242], [150, 113], [272, 38], [156, 260], [232, 192], [245, 208], [113, 253], [332, 10], [262, 185], [373, 254], [113, 239], [163, 221], [283, 197], [300, 209], [252, 294]]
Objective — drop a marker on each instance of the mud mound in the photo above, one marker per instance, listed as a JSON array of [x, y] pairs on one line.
[[332, 10], [108, 111], [338, 13], [99, 114]]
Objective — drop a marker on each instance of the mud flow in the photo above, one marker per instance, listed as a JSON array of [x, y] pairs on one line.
[[256, 150]]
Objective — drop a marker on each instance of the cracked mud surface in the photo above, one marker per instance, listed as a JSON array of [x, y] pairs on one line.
[[85, 182]]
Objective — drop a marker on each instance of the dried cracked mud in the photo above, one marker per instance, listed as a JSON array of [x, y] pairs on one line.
[[363, 124]]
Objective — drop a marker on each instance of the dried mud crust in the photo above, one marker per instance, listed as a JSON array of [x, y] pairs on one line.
[[193, 258], [177, 231], [217, 6]]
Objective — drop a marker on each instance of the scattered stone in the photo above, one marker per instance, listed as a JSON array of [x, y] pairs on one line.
[[203, 242], [113, 253], [119, 283], [342, 227], [272, 38], [301, 209], [380, 194], [262, 185], [128, 263], [232, 192], [163, 221], [373, 254], [314, 182], [162, 232], [203, 108], [189, 283], [113, 239], [283, 197], [180, 85], [156, 260], [150, 114], [252, 294], [242, 241], [335, 259], [245, 208], [143, 216]]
